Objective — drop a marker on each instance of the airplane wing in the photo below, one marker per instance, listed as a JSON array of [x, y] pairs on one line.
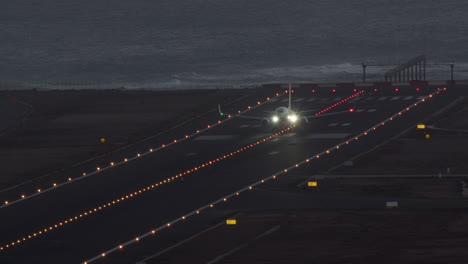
[[252, 117], [244, 116], [306, 111], [352, 101], [328, 114]]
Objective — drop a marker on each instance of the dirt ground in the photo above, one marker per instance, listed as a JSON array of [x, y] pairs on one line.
[[376, 236], [396, 188], [65, 127], [412, 154]]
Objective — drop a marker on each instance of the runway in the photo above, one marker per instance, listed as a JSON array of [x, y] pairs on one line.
[[89, 235]]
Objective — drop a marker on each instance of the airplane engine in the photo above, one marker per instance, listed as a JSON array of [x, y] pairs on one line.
[[301, 121], [265, 123]]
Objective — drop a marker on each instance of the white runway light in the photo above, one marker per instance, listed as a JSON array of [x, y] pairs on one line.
[[292, 118]]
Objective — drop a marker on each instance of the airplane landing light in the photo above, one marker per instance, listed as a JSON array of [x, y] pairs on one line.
[[292, 118]]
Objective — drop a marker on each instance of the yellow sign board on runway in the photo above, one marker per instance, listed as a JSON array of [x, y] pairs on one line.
[[312, 184], [231, 222]]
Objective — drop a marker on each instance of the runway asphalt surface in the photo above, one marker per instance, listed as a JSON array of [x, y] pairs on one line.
[[90, 235]]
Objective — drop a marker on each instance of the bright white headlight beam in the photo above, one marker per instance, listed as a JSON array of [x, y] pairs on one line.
[[293, 118]]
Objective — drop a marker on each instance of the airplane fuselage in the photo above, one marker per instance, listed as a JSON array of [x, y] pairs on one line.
[[284, 115]]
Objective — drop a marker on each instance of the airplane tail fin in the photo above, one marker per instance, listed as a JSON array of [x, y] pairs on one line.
[[289, 104]]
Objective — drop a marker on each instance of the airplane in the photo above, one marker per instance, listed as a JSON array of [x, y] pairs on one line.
[[285, 116]]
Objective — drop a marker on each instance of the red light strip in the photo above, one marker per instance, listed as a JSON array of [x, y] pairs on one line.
[[338, 103], [251, 186]]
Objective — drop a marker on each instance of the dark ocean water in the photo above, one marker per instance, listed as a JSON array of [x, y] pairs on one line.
[[192, 43]]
